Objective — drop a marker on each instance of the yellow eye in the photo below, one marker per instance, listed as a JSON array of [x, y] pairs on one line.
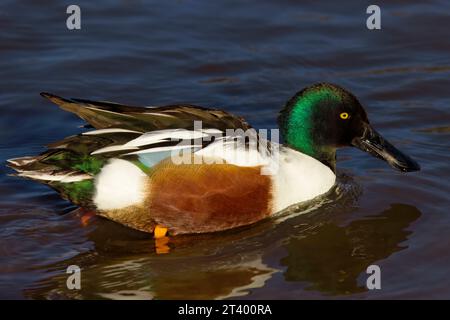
[[344, 115]]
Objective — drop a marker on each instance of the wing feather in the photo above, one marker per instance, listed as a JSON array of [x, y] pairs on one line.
[[103, 115]]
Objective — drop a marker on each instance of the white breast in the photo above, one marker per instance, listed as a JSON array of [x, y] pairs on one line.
[[299, 178], [296, 177]]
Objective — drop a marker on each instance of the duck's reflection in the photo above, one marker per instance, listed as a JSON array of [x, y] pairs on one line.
[[327, 256], [197, 280], [331, 258]]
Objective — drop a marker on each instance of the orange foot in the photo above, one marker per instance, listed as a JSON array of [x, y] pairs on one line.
[[161, 241], [159, 232], [86, 216]]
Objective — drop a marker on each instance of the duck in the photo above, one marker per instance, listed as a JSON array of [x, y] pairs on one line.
[[186, 169]]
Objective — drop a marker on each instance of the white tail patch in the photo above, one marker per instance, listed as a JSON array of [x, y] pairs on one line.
[[120, 184]]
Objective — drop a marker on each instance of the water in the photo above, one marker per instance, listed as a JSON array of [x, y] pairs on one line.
[[248, 58]]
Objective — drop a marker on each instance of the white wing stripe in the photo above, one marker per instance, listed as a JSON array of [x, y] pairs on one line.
[[161, 149], [155, 137], [151, 137], [113, 148], [64, 178], [111, 130]]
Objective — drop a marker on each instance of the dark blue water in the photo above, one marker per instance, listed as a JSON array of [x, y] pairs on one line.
[[247, 57]]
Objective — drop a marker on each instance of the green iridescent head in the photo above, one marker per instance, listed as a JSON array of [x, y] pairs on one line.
[[323, 117]]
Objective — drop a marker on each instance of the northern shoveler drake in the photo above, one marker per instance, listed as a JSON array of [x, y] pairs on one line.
[[130, 169]]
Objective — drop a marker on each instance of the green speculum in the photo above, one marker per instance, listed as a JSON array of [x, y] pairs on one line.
[[79, 192]]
